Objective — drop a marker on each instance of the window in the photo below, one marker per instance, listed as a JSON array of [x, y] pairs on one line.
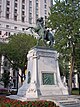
[[30, 15], [0, 32], [15, 27], [16, 0], [0, 1], [15, 17], [15, 4], [36, 11], [23, 12], [36, 16], [6, 33], [0, 7], [30, 3], [44, 1], [23, 19], [7, 26], [45, 12], [7, 15], [9, 34], [45, 6], [7, 9], [23, 1], [23, 29], [30, 20], [15, 11], [0, 14], [30, 9], [36, 4], [8, 2], [23, 6], [45, 17]]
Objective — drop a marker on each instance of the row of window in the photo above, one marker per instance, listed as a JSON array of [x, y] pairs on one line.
[[30, 12], [23, 1], [8, 33], [15, 17], [23, 10], [15, 11]]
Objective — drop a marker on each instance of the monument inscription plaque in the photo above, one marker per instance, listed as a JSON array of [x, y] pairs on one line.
[[48, 78]]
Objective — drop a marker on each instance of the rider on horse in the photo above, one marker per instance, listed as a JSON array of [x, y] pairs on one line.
[[43, 33]]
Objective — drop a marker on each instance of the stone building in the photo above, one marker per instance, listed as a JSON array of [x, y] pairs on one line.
[[17, 15]]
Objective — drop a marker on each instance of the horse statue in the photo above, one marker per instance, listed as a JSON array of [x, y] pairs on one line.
[[43, 33]]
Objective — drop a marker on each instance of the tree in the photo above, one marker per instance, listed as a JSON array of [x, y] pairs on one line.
[[64, 18], [16, 50]]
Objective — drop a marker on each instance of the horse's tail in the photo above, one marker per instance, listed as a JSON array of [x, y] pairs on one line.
[[51, 36]]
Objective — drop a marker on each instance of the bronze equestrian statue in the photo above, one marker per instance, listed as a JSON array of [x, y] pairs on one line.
[[44, 34]]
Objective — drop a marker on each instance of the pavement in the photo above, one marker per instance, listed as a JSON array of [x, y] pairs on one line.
[[65, 100], [59, 100]]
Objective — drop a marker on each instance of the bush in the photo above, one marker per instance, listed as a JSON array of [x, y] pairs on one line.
[[13, 92], [6, 102], [4, 91], [75, 91]]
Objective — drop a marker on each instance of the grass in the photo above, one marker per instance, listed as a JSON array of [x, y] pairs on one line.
[[75, 92]]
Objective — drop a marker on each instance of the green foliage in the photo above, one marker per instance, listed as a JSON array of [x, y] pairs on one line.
[[5, 79], [75, 92], [64, 67], [64, 18], [17, 48], [4, 91]]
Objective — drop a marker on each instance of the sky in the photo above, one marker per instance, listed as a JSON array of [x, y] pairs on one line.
[[53, 1]]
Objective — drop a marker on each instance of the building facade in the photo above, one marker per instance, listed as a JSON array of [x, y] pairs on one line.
[[17, 15]]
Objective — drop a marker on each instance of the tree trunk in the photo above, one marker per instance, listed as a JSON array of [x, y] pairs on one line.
[[71, 72], [71, 67]]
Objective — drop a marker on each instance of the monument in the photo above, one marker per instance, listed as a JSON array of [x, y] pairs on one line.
[[43, 75]]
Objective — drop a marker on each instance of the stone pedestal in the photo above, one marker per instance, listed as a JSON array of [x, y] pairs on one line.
[[43, 76]]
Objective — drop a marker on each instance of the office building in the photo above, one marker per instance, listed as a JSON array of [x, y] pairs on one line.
[[17, 15]]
